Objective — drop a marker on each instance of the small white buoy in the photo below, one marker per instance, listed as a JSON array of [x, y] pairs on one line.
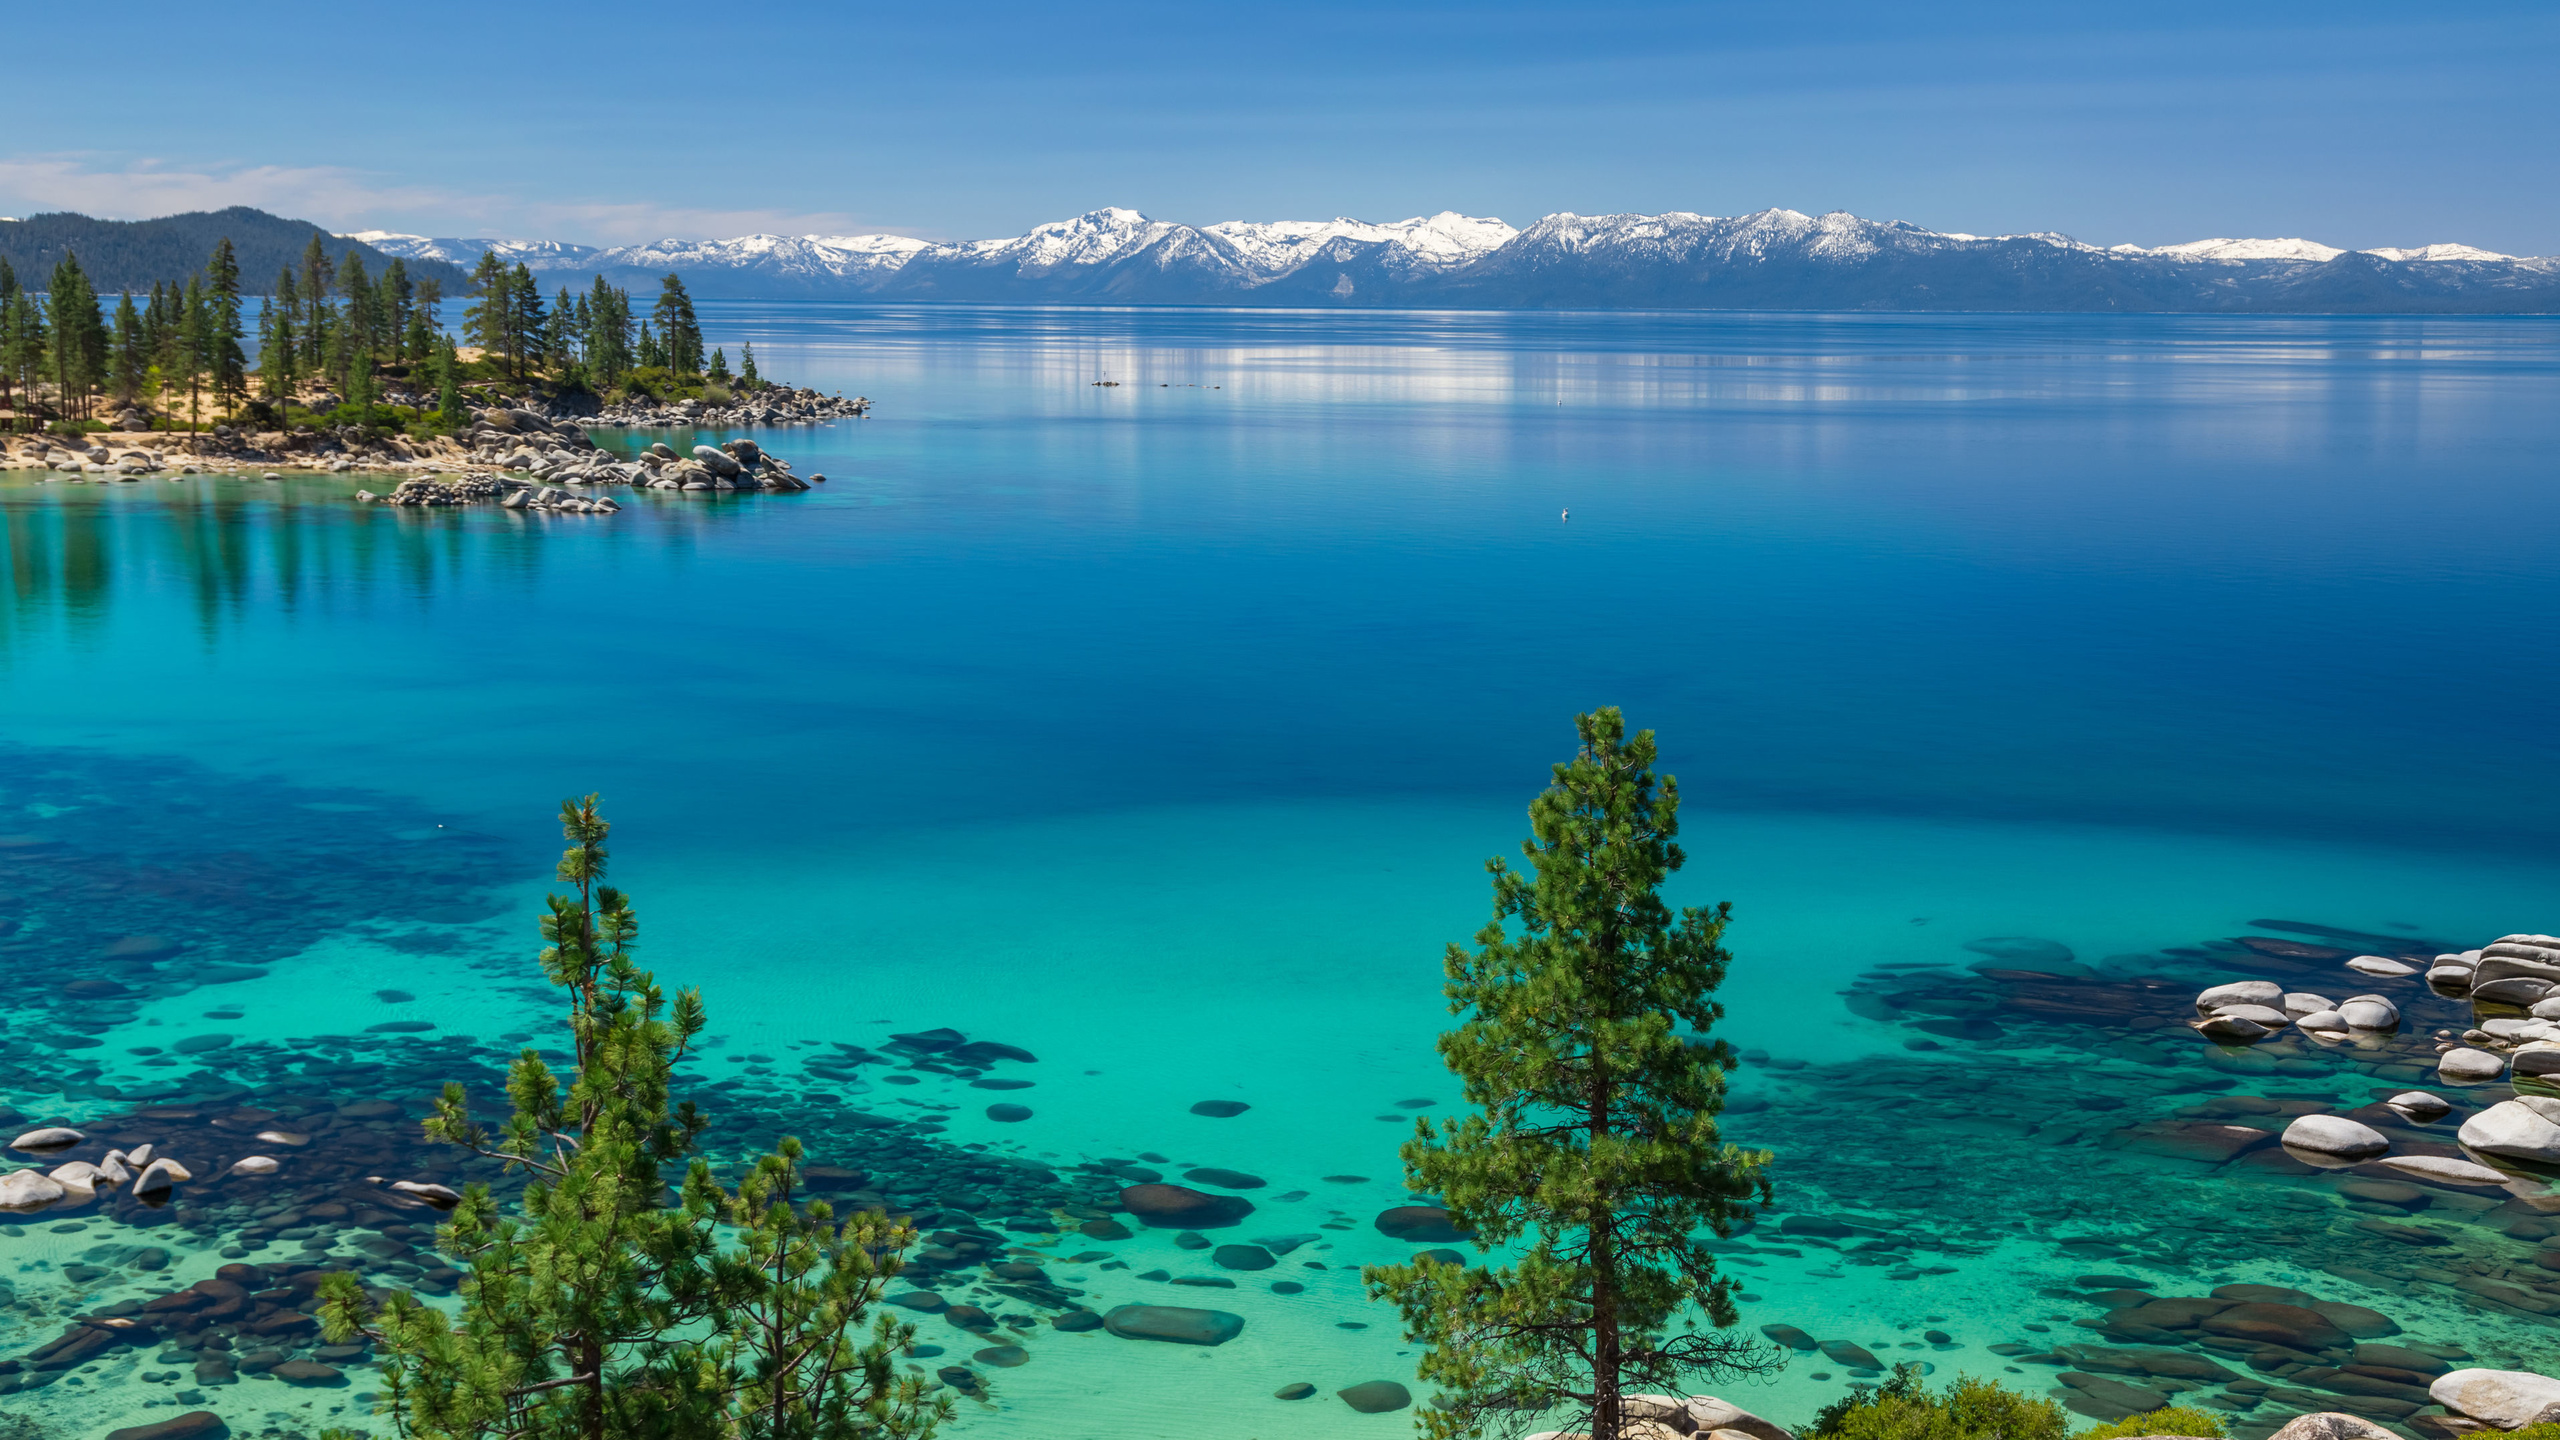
[[1568, 516]]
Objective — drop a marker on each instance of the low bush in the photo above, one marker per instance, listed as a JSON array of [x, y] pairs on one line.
[[1902, 1408], [2176, 1420]]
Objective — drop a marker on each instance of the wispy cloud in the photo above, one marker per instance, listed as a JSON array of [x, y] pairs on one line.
[[345, 199]]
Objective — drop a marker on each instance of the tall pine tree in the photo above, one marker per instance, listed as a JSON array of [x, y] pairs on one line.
[[79, 336], [132, 351], [1594, 1151], [610, 1308], [226, 368], [677, 329], [318, 273]]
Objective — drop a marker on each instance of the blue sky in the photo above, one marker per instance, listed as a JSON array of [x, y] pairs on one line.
[[2352, 123]]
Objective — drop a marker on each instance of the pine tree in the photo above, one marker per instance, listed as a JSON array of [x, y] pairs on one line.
[[279, 359], [8, 279], [1597, 1154], [318, 272], [747, 375], [719, 367], [651, 352], [358, 321], [132, 351], [225, 365], [394, 297], [360, 388], [448, 392], [426, 314], [79, 336], [486, 322], [529, 324], [609, 353], [677, 329], [610, 1309], [22, 354], [194, 345]]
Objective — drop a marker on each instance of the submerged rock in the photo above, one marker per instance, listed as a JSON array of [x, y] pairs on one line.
[[2240, 992], [1179, 1207], [1376, 1397], [1175, 1324], [1422, 1223], [2420, 1106], [194, 1425]]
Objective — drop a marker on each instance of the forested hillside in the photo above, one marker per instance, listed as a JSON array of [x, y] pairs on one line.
[[122, 255]]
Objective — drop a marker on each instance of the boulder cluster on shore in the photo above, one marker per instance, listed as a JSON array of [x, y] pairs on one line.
[[770, 405]]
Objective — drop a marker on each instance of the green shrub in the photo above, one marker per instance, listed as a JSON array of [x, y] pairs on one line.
[[2179, 1420], [2547, 1430], [1902, 1408]]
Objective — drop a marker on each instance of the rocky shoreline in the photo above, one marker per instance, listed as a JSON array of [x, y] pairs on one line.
[[774, 405], [514, 456]]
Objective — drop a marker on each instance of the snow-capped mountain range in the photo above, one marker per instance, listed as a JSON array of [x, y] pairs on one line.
[[1774, 259]]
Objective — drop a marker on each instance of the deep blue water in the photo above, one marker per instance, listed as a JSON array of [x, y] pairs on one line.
[[1163, 726]]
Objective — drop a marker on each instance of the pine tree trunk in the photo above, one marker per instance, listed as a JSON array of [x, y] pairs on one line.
[[1604, 1284]]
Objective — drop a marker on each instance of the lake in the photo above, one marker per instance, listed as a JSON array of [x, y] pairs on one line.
[[1161, 728]]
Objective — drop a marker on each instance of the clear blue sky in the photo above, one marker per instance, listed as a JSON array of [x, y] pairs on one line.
[[2354, 123]]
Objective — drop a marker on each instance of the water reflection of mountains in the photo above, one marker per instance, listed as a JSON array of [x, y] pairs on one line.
[[289, 545]]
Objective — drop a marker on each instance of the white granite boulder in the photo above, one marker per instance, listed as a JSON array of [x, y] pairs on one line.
[[2525, 1128], [2463, 1065], [2335, 1137], [2508, 1399], [2240, 992]]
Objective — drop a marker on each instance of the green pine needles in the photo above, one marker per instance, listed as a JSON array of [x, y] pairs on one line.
[[1595, 1152], [615, 1308]]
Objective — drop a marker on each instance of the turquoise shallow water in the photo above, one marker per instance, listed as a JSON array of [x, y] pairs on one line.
[[1162, 729]]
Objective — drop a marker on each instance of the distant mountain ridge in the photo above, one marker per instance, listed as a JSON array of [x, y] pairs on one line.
[[1773, 259], [120, 255]]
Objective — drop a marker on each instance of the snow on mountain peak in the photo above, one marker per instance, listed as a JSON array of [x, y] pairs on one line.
[[2441, 252], [2230, 249]]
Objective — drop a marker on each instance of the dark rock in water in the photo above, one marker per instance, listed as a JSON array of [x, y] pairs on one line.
[[2022, 951], [1243, 1257], [1851, 1354], [101, 990], [1791, 1337], [194, 1425], [1179, 1207], [393, 997], [1220, 1109], [1008, 1113], [1225, 1179], [958, 1377], [987, 1052], [1075, 1320], [1814, 1225], [1191, 1240], [1286, 1287], [2355, 1320], [1105, 1229], [827, 1179], [1003, 1357], [1297, 1390], [2290, 1325], [1442, 1256], [2112, 1282], [2291, 949], [1214, 1282], [369, 1110], [201, 1044], [1937, 1337], [1346, 1179], [921, 1300], [401, 1027], [308, 1372], [2270, 1294], [2107, 1399], [1426, 1223], [1176, 1324], [1001, 1084], [930, 1041], [2401, 1357], [2204, 1144], [1376, 1397], [969, 1317]]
